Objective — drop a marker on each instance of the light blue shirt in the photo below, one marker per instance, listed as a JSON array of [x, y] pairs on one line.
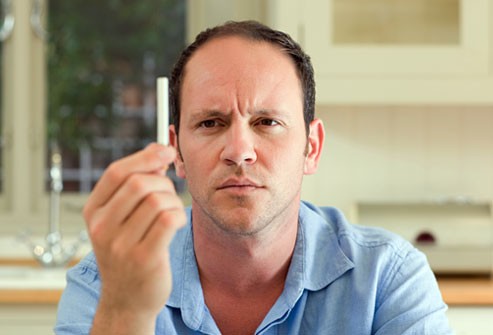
[[343, 279]]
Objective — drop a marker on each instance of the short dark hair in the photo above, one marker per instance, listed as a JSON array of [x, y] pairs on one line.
[[258, 32]]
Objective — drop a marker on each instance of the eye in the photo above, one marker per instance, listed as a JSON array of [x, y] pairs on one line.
[[208, 124], [268, 122]]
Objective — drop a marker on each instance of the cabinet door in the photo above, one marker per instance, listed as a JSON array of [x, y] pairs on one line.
[[388, 37], [471, 320], [25, 319], [395, 51]]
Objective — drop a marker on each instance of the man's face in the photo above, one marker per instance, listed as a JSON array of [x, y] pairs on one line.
[[242, 137]]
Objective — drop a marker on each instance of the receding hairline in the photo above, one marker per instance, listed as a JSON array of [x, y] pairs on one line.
[[246, 38], [251, 31]]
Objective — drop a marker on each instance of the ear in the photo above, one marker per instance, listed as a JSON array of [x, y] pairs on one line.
[[315, 145], [179, 164]]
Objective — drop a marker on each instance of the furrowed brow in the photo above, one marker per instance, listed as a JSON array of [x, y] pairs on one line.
[[273, 113], [207, 114]]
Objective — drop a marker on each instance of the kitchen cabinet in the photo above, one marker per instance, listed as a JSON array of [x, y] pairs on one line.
[[394, 52], [29, 294], [471, 320], [27, 319], [470, 304], [455, 235], [202, 14]]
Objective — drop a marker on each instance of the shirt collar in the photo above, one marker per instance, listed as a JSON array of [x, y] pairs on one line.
[[186, 293], [324, 261], [181, 254], [317, 261]]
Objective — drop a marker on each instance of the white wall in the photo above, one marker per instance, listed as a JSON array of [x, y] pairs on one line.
[[413, 153]]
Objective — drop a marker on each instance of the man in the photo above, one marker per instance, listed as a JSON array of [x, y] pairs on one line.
[[248, 257]]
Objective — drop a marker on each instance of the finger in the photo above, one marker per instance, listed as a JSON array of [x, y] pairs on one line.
[[108, 219], [151, 159], [136, 226], [159, 235]]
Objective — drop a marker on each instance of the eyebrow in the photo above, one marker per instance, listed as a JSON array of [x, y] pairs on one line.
[[214, 113], [207, 114]]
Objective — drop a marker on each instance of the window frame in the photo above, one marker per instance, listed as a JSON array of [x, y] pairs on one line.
[[24, 204]]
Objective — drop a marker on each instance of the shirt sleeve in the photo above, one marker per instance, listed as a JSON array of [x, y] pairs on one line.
[[79, 300], [409, 300]]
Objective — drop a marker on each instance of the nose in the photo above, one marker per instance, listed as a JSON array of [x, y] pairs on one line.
[[239, 146]]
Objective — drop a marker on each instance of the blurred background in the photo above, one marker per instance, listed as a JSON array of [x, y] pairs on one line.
[[405, 90]]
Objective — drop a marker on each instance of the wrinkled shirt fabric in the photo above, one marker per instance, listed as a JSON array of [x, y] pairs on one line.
[[343, 279]]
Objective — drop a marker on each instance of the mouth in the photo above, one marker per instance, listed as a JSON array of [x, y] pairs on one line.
[[239, 184]]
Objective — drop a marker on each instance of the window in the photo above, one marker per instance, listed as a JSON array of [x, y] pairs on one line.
[[6, 27], [81, 77], [1, 117], [101, 79]]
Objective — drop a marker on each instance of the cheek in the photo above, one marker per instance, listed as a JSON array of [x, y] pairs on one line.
[[286, 160], [196, 164]]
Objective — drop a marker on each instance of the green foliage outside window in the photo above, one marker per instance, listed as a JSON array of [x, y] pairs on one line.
[[94, 48]]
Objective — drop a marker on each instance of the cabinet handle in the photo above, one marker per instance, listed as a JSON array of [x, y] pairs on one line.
[[8, 20], [425, 238]]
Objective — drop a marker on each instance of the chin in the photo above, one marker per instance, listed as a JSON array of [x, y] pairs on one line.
[[241, 222]]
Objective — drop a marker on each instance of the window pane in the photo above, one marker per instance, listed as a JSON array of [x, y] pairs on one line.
[[103, 60], [396, 21]]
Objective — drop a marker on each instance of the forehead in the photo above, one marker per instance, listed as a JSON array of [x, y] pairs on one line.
[[233, 58]]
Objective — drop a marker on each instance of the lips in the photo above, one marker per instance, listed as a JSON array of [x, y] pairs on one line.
[[235, 183]]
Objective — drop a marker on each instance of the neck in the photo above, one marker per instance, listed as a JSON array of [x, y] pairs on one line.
[[245, 265]]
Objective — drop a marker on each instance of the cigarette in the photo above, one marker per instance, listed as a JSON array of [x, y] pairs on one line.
[[162, 110]]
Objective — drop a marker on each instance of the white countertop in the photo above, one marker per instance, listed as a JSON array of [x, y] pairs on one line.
[[32, 278], [13, 247]]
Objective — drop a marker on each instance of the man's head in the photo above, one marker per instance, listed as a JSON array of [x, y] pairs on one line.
[[243, 143], [254, 31]]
